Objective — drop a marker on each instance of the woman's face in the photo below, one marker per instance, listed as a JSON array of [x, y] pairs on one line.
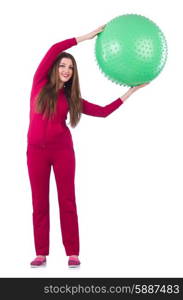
[[65, 69]]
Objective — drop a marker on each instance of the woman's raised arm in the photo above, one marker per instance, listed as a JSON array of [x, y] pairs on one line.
[[49, 58], [90, 35]]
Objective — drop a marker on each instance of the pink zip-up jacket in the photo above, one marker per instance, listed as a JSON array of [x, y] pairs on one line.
[[44, 131]]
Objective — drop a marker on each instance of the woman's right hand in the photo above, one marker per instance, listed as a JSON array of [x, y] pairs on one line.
[[90, 35], [93, 33]]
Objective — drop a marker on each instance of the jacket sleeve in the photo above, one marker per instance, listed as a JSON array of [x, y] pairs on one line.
[[95, 110], [49, 58]]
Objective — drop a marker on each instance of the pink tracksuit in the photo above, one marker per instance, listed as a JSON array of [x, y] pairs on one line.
[[49, 144]]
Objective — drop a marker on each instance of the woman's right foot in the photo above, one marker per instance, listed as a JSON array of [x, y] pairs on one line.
[[39, 261]]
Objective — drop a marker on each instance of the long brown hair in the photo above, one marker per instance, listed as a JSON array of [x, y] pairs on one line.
[[47, 98]]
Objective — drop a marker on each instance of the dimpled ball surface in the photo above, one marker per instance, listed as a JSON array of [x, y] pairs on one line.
[[131, 50]]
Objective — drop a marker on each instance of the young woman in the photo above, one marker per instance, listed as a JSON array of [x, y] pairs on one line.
[[55, 92]]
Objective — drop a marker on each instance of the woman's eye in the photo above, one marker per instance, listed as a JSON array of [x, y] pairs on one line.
[[63, 66]]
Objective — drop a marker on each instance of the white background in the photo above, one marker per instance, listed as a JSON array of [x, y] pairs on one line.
[[129, 166]]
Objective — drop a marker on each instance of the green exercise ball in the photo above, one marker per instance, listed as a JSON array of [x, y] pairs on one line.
[[131, 50]]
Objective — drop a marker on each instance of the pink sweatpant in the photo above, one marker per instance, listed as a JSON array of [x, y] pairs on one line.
[[39, 162]]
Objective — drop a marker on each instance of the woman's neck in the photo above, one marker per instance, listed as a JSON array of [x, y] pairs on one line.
[[61, 85]]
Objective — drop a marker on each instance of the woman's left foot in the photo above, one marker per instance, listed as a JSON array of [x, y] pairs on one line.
[[73, 262]]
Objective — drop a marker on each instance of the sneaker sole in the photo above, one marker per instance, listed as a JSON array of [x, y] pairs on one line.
[[42, 265], [74, 267]]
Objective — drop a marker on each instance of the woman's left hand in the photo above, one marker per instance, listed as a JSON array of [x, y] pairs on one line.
[[132, 90], [137, 87]]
